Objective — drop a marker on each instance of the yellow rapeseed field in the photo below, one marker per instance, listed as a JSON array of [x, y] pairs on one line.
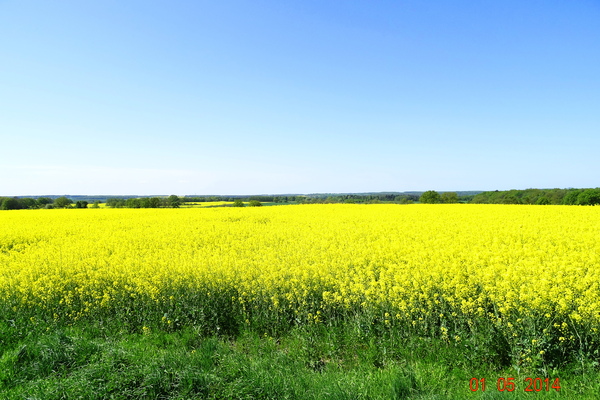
[[531, 272]]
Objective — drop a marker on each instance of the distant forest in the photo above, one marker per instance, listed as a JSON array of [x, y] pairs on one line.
[[582, 197], [527, 196]]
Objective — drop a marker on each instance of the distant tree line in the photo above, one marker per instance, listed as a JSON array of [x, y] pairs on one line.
[[261, 198], [24, 203], [358, 198], [313, 198], [172, 201], [527, 196], [583, 197]]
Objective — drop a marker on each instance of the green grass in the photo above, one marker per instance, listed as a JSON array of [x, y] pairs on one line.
[[96, 362]]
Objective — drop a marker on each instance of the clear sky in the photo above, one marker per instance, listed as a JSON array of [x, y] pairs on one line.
[[265, 97]]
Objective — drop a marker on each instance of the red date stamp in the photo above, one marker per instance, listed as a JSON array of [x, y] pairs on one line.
[[510, 385]]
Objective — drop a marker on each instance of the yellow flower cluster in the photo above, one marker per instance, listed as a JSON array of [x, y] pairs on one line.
[[404, 265]]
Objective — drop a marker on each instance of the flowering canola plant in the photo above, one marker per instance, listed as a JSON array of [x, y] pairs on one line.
[[531, 273]]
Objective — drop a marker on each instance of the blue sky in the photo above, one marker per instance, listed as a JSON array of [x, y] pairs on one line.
[[250, 97]]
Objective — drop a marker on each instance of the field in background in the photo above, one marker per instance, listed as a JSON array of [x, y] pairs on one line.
[[206, 204], [496, 288]]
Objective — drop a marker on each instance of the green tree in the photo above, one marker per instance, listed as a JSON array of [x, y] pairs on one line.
[[510, 198], [96, 204], [571, 197], [173, 201], [115, 202], [449, 197], [9, 203], [589, 197], [557, 195], [238, 203], [543, 201], [154, 202], [255, 203], [81, 204], [133, 203], [42, 201], [63, 202], [430, 197], [28, 202]]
